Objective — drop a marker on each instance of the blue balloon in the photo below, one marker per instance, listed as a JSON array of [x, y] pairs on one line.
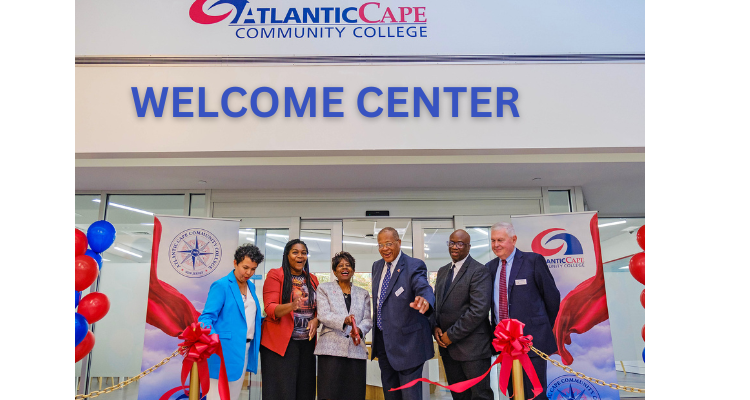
[[78, 297], [82, 328], [97, 257], [644, 355], [101, 235]]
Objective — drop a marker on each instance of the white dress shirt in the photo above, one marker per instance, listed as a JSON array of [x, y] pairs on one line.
[[496, 285], [385, 269], [456, 266]]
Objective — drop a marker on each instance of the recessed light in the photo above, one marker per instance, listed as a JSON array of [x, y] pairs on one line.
[[202, 182]]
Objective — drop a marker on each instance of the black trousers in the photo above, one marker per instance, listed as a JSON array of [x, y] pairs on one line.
[[291, 377], [459, 371], [392, 378], [540, 365]]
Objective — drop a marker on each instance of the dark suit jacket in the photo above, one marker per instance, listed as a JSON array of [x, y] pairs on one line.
[[462, 313], [536, 303], [407, 335]]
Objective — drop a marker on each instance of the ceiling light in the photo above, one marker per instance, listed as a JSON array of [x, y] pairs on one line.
[[104, 259], [613, 223], [480, 246], [202, 182], [316, 239], [251, 233], [146, 224], [129, 252], [426, 256], [274, 246], [406, 247], [625, 267], [125, 207], [250, 240], [362, 243], [277, 235], [480, 230]]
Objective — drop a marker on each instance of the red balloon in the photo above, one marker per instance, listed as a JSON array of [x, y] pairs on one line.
[[643, 298], [86, 272], [638, 267], [81, 243], [85, 346], [640, 237], [643, 333], [94, 306]]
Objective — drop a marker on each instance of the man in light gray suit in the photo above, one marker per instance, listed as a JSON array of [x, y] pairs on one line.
[[460, 323]]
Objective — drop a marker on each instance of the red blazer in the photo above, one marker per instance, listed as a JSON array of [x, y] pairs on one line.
[[277, 332]]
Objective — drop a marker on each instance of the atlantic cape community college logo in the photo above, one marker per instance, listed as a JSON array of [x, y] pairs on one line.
[[195, 253], [368, 20], [571, 387], [556, 257]]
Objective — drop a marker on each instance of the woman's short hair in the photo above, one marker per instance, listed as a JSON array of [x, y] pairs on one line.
[[342, 255], [248, 250]]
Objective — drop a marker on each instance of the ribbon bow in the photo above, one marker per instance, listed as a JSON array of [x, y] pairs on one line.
[[197, 346], [513, 345]]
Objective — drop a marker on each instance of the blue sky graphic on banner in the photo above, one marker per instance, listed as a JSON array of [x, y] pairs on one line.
[[567, 243]]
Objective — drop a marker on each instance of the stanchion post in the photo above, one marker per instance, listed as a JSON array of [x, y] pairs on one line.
[[518, 393], [195, 390]]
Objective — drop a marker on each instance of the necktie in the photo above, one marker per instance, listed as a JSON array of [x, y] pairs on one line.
[[383, 288], [448, 281], [503, 297]]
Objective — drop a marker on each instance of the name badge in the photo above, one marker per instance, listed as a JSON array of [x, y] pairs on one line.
[[399, 291], [520, 281]]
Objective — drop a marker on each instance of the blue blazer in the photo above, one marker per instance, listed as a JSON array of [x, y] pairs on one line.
[[535, 302], [407, 335], [225, 314]]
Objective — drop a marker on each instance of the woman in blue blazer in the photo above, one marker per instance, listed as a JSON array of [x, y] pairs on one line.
[[233, 312]]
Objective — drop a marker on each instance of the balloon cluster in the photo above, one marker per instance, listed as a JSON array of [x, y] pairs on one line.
[[94, 306], [638, 270]]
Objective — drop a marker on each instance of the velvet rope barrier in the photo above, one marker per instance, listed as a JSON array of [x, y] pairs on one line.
[[513, 345], [197, 346]]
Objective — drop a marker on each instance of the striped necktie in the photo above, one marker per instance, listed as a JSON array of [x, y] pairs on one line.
[[381, 297], [503, 297]]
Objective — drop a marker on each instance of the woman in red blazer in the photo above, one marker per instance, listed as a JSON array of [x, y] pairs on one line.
[[287, 335]]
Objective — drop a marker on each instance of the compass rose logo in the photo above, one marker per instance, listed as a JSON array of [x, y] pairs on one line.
[[571, 387], [195, 253]]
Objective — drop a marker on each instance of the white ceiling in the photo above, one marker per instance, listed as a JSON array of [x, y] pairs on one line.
[[612, 188]]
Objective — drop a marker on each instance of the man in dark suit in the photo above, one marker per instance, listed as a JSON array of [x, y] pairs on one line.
[[461, 328], [524, 289], [403, 301]]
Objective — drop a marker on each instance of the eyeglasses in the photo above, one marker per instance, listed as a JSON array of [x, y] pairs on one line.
[[388, 245], [458, 245]]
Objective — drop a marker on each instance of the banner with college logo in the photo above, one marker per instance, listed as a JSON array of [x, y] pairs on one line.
[[188, 255], [570, 244]]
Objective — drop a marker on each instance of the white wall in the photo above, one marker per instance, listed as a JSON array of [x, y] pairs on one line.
[[560, 107]]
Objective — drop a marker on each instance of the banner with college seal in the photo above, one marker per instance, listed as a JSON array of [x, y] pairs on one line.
[[570, 244], [188, 255]]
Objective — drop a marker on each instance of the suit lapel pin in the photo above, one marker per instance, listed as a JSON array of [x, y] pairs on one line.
[[398, 270]]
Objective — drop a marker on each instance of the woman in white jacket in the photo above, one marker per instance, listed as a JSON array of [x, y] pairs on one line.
[[342, 354]]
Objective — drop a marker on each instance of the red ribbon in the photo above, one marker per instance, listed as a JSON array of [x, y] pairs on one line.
[[512, 345], [197, 346], [355, 333]]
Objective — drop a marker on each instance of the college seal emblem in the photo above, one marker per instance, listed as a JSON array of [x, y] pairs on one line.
[[195, 253], [571, 387]]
